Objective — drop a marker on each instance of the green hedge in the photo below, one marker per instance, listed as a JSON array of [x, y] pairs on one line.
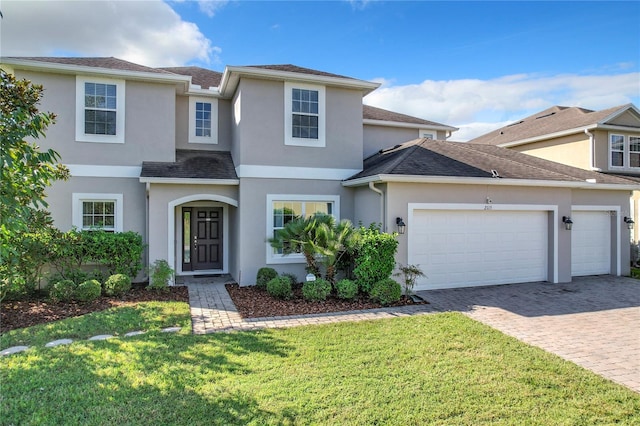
[[374, 257]]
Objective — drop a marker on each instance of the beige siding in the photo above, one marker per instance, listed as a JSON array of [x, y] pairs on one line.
[[573, 150], [382, 137]]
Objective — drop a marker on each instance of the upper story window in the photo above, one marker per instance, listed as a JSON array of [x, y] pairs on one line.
[[624, 151], [99, 110], [203, 120], [429, 134], [304, 115], [97, 211]]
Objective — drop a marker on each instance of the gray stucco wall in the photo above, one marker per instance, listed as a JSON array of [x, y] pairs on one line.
[[382, 137], [149, 123], [251, 248], [259, 137], [223, 136], [399, 195]]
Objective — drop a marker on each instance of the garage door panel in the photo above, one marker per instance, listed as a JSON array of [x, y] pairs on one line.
[[590, 243], [478, 247]]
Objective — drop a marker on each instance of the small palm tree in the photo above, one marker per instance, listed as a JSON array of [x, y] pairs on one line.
[[334, 240]]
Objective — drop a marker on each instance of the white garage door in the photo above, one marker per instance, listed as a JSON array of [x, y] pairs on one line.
[[590, 243], [468, 248]]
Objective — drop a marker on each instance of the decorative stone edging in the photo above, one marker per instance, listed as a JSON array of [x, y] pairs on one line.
[[59, 342]]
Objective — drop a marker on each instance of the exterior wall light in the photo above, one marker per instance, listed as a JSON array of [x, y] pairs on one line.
[[401, 226], [629, 222], [568, 223]]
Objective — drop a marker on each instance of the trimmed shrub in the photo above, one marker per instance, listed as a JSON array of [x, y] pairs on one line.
[[292, 277], [374, 257], [317, 290], [160, 274], [88, 291], [62, 291], [264, 276], [117, 285], [386, 292], [346, 289], [280, 288]]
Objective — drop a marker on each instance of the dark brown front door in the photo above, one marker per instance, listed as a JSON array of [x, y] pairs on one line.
[[206, 225]]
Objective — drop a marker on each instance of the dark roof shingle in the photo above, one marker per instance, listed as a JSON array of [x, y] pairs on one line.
[[374, 113], [192, 164], [201, 76], [104, 62], [551, 120], [426, 157]]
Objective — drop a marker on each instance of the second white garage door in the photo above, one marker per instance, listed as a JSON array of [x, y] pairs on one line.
[[464, 248], [590, 243]]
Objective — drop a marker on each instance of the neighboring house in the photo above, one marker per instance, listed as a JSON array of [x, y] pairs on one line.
[[207, 166], [607, 141]]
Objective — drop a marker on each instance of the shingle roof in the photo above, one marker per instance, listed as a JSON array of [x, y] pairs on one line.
[[374, 113], [201, 76], [426, 157], [551, 120], [108, 63], [192, 164], [297, 69]]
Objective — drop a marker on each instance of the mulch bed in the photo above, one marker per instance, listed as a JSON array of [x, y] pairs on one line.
[[37, 310], [253, 302]]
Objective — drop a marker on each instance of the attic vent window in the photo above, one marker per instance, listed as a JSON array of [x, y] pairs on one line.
[[546, 115]]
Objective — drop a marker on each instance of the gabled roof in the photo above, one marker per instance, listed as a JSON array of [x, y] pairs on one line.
[[297, 69], [555, 121], [379, 114], [201, 76], [192, 164], [438, 159]]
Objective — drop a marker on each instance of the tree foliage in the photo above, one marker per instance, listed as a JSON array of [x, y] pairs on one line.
[[25, 171]]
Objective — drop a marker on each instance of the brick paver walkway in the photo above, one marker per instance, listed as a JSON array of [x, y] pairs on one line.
[[593, 321]]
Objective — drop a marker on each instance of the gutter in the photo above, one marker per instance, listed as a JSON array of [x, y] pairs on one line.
[[592, 151], [379, 192], [587, 184]]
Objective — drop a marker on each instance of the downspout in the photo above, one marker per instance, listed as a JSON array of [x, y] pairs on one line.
[[379, 192], [146, 237], [592, 154]]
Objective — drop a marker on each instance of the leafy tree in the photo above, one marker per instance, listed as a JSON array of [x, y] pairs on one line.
[[25, 171]]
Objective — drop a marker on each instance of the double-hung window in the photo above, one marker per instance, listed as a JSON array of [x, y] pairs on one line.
[[304, 115], [624, 151], [99, 110], [97, 211], [203, 120], [282, 209]]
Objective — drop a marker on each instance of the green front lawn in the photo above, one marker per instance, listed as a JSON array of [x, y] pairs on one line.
[[431, 369]]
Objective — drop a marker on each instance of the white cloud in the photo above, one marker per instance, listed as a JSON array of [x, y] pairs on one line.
[[210, 7], [478, 106], [144, 32]]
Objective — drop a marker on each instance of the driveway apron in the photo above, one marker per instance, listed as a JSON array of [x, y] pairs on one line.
[[592, 321]]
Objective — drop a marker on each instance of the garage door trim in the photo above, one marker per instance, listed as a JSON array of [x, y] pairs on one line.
[[411, 207]]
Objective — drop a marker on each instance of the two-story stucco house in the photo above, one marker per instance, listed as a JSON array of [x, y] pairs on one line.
[[207, 166], [607, 141]]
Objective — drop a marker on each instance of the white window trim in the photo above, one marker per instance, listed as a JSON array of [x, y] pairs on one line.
[[626, 153], [78, 198], [288, 116], [274, 258], [213, 139], [433, 132], [81, 136]]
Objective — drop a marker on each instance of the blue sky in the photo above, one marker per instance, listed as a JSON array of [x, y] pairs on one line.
[[476, 65]]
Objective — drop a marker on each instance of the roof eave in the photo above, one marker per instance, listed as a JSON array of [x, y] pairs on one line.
[[386, 123], [232, 74], [385, 178], [27, 64], [189, 181]]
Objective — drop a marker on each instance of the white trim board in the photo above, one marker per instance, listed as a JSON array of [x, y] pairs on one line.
[[92, 170], [286, 172]]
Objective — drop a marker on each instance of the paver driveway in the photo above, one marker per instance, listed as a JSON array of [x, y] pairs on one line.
[[593, 321]]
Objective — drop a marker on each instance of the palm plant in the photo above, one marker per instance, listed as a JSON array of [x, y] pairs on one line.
[[334, 240]]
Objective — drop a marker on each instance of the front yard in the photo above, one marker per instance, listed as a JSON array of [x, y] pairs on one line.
[[431, 369]]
